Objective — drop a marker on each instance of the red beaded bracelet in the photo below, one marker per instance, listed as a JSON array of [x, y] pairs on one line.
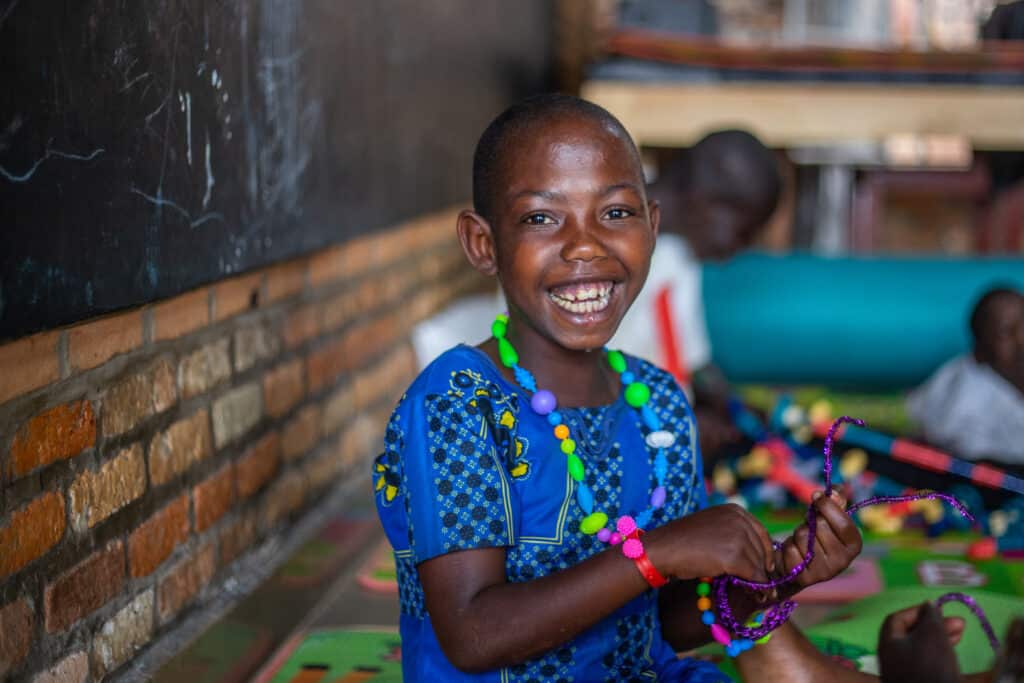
[[634, 550]]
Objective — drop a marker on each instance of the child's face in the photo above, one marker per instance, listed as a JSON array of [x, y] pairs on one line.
[[573, 232]]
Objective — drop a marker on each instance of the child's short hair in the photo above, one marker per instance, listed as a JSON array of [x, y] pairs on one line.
[[985, 308], [490, 150]]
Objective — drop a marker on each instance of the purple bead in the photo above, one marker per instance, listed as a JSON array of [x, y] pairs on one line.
[[543, 402], [658, 497], [604, 534]]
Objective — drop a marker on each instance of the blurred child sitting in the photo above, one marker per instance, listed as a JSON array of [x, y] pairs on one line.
[[974, 404], [715, 198]]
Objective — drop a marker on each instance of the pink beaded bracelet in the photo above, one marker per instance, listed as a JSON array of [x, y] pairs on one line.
[[629, 534]]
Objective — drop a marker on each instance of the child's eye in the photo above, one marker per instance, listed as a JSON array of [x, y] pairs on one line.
[[618, 214], [538, 219]]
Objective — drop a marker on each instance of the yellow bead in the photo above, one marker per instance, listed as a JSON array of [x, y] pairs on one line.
[[562, 432], [568, 446], [704, 604]]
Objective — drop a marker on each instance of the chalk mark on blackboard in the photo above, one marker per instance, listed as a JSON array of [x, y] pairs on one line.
[[20, 178], [161, 202], [209, 172]]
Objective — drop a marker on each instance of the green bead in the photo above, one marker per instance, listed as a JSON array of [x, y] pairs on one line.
[[576, 467], [637, 394], [498, 328], [502, 317], [509, 357], [763, 639], [703, 589], [568, 446], [617, 361], [593, 523]]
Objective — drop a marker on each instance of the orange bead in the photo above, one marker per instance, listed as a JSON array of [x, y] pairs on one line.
[[562, 432], [704, 604]]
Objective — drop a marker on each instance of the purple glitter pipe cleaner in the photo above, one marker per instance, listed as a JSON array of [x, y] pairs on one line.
[[972, 605], [777, 614]]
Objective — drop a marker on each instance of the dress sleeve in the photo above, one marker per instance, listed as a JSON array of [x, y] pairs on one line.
[[455, 486]]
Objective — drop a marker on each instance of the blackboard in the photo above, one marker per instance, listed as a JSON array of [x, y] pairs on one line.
[[150, 146]]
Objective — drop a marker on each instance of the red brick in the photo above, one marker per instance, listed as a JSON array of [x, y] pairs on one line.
[[257, 465], [338, 408], [301, 433], [212, 498], [325, 364], [31, 531], [323, 468], [156, 538], [302, 325], [181, 446], [94, 496], [236, 412], [283, 498], [96, 342], [360, 441], [57, 434], [237, 537], [236, 295], [16, 620], [286, 280], [359, 256], [182, 314], [339, 309], [84, 588], [28, 364], [137, 397], [184, 581], [326, 266], [283, 387]]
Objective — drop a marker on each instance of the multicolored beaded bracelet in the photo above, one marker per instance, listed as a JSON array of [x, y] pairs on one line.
[[733, 646]]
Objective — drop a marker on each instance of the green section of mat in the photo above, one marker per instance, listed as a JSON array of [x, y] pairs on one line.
[[344, 656], [885, 412]]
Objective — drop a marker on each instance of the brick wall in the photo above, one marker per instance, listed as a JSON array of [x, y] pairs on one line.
[[143, 453]]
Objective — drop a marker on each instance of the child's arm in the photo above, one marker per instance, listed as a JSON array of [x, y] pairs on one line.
[[790, 658], [483, 622]]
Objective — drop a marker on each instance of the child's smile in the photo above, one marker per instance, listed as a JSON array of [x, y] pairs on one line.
[[583, 297]]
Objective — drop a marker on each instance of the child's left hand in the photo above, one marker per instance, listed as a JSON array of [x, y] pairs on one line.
[[836, 542]]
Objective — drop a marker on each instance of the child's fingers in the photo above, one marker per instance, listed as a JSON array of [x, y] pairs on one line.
[[954, 628], [764, 542], [841, 524], [898, 624]]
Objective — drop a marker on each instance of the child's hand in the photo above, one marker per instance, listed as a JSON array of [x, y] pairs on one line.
[[836, 542], [723, 539], [916, 644]]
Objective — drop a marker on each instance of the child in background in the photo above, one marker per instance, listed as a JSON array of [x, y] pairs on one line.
[[716, 197], [510, 468], [973, 405]]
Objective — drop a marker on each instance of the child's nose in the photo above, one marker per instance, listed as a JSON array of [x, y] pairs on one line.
[[582, 242]]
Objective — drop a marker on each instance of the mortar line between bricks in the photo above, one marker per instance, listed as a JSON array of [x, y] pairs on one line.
[[249, 573]]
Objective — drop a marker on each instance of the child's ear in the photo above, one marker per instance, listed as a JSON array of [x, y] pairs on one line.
[[477, 241], [654, 214]]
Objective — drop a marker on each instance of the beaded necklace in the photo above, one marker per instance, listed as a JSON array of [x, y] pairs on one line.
[[637, 394]]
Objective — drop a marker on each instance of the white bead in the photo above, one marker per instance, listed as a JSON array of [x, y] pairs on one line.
[[661, 439]]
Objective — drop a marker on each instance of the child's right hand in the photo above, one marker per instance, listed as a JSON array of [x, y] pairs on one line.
[[723, 539]]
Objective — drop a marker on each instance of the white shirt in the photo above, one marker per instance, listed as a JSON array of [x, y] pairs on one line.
[[969, 409], [674, 266]]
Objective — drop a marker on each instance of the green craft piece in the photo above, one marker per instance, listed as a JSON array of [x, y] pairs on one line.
[[509, 357], [617, 361], [703, 589], [637, 394], [593, 523], [498, 329], [568, 446], [576, 467]]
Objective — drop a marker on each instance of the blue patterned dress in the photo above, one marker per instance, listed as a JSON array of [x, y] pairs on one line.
[[467, 464]]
